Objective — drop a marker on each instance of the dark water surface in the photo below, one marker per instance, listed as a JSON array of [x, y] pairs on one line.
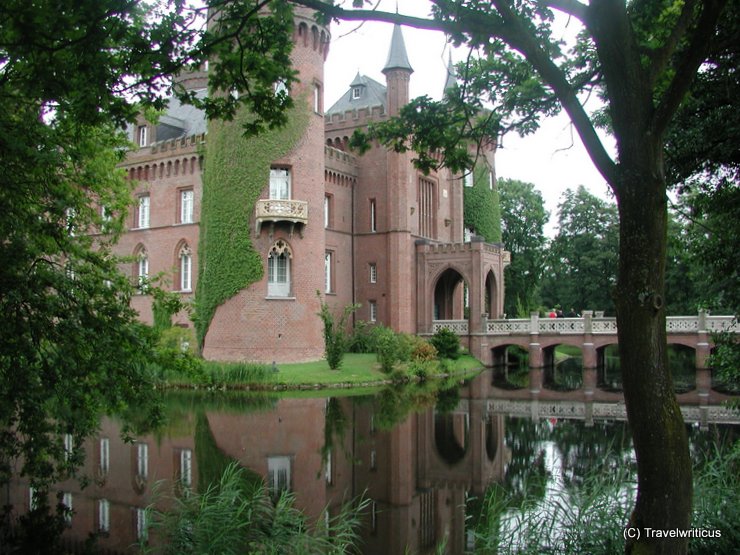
[[424, 455]]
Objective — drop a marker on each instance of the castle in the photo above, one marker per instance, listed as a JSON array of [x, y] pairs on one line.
[[257, 226]]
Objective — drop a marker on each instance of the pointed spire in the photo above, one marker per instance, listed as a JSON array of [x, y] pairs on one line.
[[451, 80], [397, 57]]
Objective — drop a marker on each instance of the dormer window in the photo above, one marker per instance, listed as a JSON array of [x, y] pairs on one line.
[[356, 93], [143, 135]]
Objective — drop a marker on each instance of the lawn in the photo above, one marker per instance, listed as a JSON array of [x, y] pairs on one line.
[[356, 370]]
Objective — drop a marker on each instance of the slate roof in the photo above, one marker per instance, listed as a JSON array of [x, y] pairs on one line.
[[371, 94], [397, 57]]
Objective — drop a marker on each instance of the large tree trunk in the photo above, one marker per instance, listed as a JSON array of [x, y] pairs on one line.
[[661, 447]]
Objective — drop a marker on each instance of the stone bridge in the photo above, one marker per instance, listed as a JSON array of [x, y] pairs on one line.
[[591, 333]]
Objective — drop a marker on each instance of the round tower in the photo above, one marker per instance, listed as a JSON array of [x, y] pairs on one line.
[[262, 235]]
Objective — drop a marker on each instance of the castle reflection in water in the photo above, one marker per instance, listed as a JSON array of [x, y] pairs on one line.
[[417, 461]]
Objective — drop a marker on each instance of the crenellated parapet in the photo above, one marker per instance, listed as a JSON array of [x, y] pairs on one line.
[[339, 163], [163, 159], [353, 118]]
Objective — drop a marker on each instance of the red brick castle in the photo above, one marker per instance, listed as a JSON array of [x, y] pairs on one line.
[[367, 229]]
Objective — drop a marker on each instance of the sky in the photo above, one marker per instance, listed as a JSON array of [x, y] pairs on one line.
[[553, 159]]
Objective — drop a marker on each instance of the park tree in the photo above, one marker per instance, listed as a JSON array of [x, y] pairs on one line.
[[523, 219], [71, 348], [581, 267], [640, 58]]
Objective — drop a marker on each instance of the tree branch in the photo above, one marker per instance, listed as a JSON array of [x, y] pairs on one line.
[[573, 8], [662, 56], [687, 66]]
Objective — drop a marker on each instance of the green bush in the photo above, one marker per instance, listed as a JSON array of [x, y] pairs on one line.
[[422, 369], [447, 344], [335, 336], [361, 340], [175, 355], [386, 347]]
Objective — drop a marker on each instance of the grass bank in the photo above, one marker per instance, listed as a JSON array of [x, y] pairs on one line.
[[357, 370]]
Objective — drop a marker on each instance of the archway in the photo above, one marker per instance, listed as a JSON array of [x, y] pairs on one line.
[[450, 299]]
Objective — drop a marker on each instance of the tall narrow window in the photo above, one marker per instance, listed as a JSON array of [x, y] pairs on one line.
[[32, 499], [142, 524], [143, 212], [328, 263], [373, 216], [373, 311], [186, 269], [186, 206], [278, 270], [67, 502], [327, 211], [142, 460], [317, 98], [278, 475], [490, 180], [279, 184], [186, 467], [373, 272], [427, 208], [142, 267], [143, 135], [68, 446], [104, 455], [356, 92], [104, 515]]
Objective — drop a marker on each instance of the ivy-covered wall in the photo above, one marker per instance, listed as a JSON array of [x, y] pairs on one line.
[[481, 208], [236, 170]]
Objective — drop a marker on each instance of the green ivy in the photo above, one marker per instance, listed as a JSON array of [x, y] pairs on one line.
[[236, 170], [482, 212]]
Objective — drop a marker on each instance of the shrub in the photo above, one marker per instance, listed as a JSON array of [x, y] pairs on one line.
[[386, 347], [335, 336], [423, 351], [361, 340], [406, 343], [447, 343], [422, 369]]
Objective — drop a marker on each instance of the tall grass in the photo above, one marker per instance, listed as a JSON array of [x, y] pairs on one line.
[[590, 518], [236, 515]]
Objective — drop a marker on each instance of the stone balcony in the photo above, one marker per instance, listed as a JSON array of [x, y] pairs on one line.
[[274, 211]]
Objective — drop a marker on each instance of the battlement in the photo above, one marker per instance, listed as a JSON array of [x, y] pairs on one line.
[[354, 118]]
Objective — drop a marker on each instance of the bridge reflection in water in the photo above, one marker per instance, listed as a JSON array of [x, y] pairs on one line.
[[419, 464]]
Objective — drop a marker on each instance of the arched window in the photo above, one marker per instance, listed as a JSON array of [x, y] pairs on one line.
[[141, 267], [278, 270], [186, 268]]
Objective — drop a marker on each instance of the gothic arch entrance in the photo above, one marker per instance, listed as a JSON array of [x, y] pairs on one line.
[[450, 296]]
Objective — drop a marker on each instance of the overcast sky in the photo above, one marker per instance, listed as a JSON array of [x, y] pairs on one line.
[[553, 159]]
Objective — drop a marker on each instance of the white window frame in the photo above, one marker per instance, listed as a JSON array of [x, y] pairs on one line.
[[186, 270], [104, 455], [103, 515], [143, 268], [373, 306], [143, 214], [68, 446], [280, 184], [468, 178], [356, 93], [186, 467], [142, 524], [67, 502], [327, 211], [373, 272], [142, 460], [187, 198], [328, 263], [143, 135], [278, 474], [317, 98], [278, 270], [373, 216], [32, 500]]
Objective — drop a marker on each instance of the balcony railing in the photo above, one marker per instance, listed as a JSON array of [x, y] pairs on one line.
[[273, 211]]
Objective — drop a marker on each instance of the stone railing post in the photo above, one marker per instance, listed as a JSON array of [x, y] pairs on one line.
[[535, 353], [590, 360], [703, 350]]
